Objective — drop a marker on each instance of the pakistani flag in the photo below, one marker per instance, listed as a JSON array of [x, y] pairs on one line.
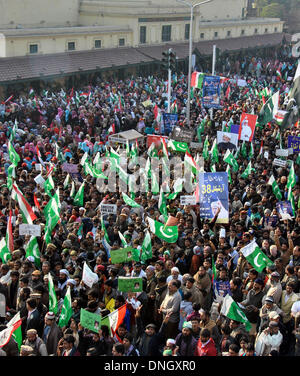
[[247, 171], [5, 255], [72, 192], [123, 240], [105, 239], [244, 149], [52, 295], [291, 181], [256, 257], [66, 181], [229, 158], [13, 131], [32, 249], [11, 173], [129, 201], [13, 155], [205, 152], [49, 185], [154, 183], [269, 109], [15, 322], [214, 154], [167, 233], [229, 174], [290, 197], [190, 163], [66, 311], [146, 247], [275, 187], [178, 146], [293, 106], [177, 187], [162, 204], [251, 151], [78, 199], [231, 310]]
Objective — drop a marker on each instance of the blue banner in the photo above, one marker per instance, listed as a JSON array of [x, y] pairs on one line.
[[211, 92], [169, 122], [285, 209], [221, 288], [294, 142], [213, 195]]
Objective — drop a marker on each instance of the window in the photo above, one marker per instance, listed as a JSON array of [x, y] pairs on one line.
[[255, 31], [266, 30], [202, 36], [216, 34], [228, 33], [33, 48], [71, 46], [97, 43], [242, 32], [121, 42], [166, 33], [275, 29], [187, 32], [143, 34]]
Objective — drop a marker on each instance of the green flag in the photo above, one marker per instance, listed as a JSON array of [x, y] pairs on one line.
[[166, 233], [214, 154], [13, 155], [275, 188], [290, 197], [146, 247], [229, 174], [247, 171], [79, 197], [32, 249], [90, 320], [244, 149], [256, 257], [162, 204], [178, 146], [17, 333], [130, 284], [66, 181], [5, 255], [11, 173], [52, 295], [49, 185], [205, 152], [231, 310], [229, 158], [291, 181], [66, 311], [129, 201], [269, 110]]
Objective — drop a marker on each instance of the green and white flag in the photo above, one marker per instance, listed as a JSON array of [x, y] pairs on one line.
[[130, 284], [123, 240], [244, 149], [251, 151], [67, 181], [72, 192], [213, 168], [275, 187], [154, 183], [96, 159], [5, 255], [167, 233], [66, 311], [177, 187], [49, 185], [229, 158], [247, 171], [231, 310], [129, 201], [146, 247], [17, 333], [291, 181], [290, 197], [178, 146], [205, 152], [214, 153], [79, 197], [105, 240], [13, 131], [256, 257], [90, 320], [11, 173], [84, 159], [229, 174], [190, 163], [52, 295], [269, 110], [92, 170], [13, 155], [32, 249], [162, 204]]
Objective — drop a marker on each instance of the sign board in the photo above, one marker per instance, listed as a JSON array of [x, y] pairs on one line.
[[27, 229], [187, 200], [108, 209], [241, 83], [266, 154], [181, 134], [196, 145], [169, 122], [38, 167], [70, 168], [211, 92], [90, 320], [279, 162], [39, 180], [130, 284], [247, 127], [294, 142], [117, 139], [282, 152]]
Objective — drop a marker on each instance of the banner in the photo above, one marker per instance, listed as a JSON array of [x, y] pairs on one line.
[[187, 200], [211, 92], [90, 320], [108, 209], [285, 209], [182, 135], [213, 194], [88, 276], [279, 162], [169, 122], [282, 152], [247, 128], [294, 142], [70, 168], [27, 229], [118, 256], [226, 140], [156, 139], [130, 284]]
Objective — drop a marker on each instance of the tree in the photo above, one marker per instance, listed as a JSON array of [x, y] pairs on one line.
[[274, 10]]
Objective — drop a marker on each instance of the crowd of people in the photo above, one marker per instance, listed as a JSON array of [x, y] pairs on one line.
[[179, 310]]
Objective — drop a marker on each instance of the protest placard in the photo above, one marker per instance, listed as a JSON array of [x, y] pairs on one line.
[[282, 152], [27, 229], [108, 209], [187, 200], [118, 256], [71, 168], [279, 162], [130, 284], [90, 320], [39, 180]]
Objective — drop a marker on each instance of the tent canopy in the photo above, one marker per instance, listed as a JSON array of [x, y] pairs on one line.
[[122, 137]]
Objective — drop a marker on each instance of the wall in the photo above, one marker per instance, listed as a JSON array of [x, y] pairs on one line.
[[38, 13]]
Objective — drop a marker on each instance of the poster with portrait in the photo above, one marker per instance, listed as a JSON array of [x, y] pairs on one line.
[[213, 195], [227, 140], [247, 127], [211, 92], [130, 284], [285, 210], [90, 320]]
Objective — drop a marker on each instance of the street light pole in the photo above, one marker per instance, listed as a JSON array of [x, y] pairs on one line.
[[192, 6]]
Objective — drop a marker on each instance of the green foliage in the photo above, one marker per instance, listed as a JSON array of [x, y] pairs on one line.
[[274, 10]]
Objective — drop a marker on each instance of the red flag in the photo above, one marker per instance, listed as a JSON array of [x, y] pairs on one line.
[[36, 203], [10, 239], [228, 91]]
